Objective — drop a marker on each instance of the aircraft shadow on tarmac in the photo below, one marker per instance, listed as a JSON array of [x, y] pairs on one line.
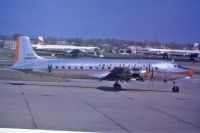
[[111, 89], [51, 85], [102, 88]]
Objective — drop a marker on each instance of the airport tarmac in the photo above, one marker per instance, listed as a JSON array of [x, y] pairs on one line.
[[31, 101], [94, 106]]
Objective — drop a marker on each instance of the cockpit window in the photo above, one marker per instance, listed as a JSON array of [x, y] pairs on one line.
[[177, 66]]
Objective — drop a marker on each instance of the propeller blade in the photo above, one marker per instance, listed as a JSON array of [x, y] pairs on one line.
[[152, 73], [149, 73], [149, 69], [151, 76]]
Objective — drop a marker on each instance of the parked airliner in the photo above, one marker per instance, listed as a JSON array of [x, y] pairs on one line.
[[63, 49], [117, 70], [174, 52]]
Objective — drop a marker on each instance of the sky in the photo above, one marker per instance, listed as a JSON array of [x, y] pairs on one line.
[[151, 20]]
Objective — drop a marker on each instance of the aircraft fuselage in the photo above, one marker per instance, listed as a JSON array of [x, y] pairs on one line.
[[98, 68]]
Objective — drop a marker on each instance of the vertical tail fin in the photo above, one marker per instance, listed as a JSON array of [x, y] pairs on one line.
[[24, 52], [40, 40], [196, 46]]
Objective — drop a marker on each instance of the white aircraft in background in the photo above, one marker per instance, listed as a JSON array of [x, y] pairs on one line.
[[63, 49], [174, 52], [117, 70]]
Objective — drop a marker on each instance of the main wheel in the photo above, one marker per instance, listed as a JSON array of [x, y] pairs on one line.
[[165, 56], [117, 86], [175, 89]]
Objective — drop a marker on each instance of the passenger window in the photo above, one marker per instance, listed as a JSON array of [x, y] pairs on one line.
[[69, 67], [90, 67], [81, 67], [63, 67], [56, 67]]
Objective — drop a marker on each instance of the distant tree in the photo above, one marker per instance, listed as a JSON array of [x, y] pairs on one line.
[[78, 41], [14, 37], [2, 37], [51, 40]]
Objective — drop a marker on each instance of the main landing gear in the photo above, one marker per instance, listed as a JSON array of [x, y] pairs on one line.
[[165, 56], [175, 88], [117, 86]]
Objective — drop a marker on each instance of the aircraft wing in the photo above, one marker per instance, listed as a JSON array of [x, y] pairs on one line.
[[119, 73], [75, 52], [126, 74]]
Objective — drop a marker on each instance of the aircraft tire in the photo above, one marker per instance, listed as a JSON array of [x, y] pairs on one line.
[[175, 89], [191, 58], [117, 86]]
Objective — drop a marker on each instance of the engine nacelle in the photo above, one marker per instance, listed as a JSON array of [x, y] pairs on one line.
[[141, 75]]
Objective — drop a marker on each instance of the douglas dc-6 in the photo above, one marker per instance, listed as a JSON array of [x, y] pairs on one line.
[[174, 52], [63, 49], [117, 70]]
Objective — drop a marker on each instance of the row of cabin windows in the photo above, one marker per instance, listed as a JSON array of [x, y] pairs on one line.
[[81, 67], [114, 65], [96, 67], [109, 66]]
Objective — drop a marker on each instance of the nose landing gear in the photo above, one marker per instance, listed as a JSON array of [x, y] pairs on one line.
[[175, 88], [49, 68]]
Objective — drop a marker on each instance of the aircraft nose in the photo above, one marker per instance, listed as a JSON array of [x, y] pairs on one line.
[[190, 72]]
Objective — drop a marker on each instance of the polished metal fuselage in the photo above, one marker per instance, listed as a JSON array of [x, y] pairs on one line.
[[99, 68]]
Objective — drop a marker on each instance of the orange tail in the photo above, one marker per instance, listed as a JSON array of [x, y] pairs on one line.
[[17, 50]]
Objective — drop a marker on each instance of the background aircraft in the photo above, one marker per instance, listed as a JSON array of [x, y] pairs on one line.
[[117, 70], [174, 52], [62, 50]]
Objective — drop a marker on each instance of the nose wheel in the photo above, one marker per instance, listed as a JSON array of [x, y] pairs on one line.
[[175, 88], [49, 68], [117, 86]]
